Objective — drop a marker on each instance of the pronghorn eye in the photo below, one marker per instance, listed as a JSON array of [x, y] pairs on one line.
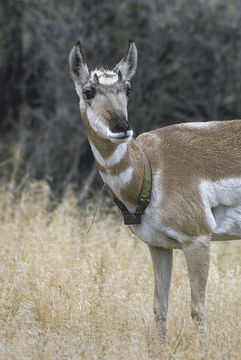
[[89, 93]]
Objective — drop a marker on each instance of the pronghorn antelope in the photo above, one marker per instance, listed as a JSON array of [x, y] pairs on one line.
[[196, 177]]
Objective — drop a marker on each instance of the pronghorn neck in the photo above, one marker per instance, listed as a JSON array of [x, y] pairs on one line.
[[121, 167], [104, 147]]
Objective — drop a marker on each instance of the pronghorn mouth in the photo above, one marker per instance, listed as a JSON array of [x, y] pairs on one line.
[[122, 136]]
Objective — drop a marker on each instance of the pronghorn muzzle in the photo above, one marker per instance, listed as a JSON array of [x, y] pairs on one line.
[[120, 127]]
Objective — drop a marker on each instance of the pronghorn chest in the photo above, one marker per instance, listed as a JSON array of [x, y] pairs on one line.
[[152, 229], [163, 226], [122, 173], [117, 182]]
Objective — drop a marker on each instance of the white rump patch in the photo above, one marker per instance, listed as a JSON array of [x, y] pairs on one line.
[[105, 77], [222, 202], [114, 159]]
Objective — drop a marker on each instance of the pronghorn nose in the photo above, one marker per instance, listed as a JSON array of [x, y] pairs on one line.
[[120, 125]]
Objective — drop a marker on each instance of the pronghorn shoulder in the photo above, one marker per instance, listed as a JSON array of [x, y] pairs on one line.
[[167, 137]]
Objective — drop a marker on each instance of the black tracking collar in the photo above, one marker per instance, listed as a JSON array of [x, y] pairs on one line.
[[143, 198]]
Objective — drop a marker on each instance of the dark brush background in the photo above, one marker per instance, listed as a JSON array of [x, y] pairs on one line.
[[189, 70]]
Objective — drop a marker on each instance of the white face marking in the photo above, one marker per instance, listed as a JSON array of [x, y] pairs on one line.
[[118, 182], [110, 79], [103, 130], [222, 203], [97, 124], [114, 159], [119, 137]]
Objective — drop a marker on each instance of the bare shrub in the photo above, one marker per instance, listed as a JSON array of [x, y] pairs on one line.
[[189, 70]]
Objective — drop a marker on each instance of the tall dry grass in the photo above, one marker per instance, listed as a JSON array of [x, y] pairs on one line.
[[65, 294]]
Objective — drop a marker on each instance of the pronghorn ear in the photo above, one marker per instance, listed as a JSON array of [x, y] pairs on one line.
[[127, 66], [77, 66]]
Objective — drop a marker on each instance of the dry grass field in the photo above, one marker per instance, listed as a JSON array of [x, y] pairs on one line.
[[66, 294]]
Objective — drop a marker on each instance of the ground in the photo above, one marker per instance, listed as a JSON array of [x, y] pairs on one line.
[[66, 294]]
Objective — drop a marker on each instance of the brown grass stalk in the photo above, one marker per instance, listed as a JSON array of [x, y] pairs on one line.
[[65, 294]]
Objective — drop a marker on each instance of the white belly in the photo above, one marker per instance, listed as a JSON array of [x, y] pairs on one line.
[[222, 203], [228, 222], [154, 235]]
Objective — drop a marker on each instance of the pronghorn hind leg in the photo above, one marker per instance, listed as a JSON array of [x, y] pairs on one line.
[[197, 257], [162, 266]]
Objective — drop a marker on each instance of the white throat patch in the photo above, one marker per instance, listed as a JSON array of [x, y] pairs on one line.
[[115, 182], [118, 182], [114, 159]]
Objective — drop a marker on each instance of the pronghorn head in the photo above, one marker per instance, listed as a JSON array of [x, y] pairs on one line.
[[104, 94]]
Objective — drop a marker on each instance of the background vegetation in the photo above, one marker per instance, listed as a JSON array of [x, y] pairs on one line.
[[65, 294], [189, 70]]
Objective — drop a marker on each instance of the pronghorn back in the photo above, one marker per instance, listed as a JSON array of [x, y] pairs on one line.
[[201, 149]]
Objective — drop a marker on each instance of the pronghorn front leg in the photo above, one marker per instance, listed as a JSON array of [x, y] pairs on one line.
[[197, 256], [162, 266]]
